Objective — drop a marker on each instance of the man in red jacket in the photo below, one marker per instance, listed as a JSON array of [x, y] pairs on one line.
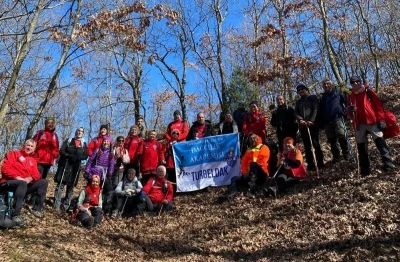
[[21, 176], [153, 155], [47, 146], [177, 124], [367, 112], [158, 192]]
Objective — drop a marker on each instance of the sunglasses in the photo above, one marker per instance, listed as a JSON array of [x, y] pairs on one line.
[[120, 140], [354, 82], [175, 133]]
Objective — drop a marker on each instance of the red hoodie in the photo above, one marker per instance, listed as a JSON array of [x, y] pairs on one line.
[[153, 154], [369, 111], [155, 192], [47, 146], [13, 166], [135, 148], [255, 122], [181, 126]]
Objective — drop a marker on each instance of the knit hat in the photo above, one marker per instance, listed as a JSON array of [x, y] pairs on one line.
[[108, 138], [104, 126], [177, 112], [254, 103], [301, 87], [354, 79], [288, 140]]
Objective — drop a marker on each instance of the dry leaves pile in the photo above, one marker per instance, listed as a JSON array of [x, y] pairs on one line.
[[335, 217]]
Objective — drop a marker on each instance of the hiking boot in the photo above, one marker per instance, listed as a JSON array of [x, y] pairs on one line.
[[265, 192], [388, 167], [19, 221], [249, 194], [273, 191], [89, 222], [114, 214], [36, 213]]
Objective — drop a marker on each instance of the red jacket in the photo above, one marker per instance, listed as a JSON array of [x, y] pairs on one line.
[[47, 146], [154, 190], [135, 148], [255, 122], [13, 166], [300, 171], [169, 156], [181, 126], [368, 112], [153, 154], [94, 144]]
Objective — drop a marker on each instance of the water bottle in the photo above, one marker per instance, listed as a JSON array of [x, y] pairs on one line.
[[3, 208], [10, 201]]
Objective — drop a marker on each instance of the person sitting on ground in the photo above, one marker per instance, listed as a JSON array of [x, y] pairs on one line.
[[128, 191], [158, 193], [21, 176], [292, 168], [90, 204], [254, 169], [72, 152]]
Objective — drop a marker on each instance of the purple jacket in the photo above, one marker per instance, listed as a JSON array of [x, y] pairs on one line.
[[102, 165]]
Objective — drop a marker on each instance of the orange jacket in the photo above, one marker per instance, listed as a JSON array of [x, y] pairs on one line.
[[300, 171], [259, 154]]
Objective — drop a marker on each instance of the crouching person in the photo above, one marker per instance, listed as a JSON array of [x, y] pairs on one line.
[[127, 193], [254, 169], [158, 193], [90, 204], [21, 176], [292, 169]]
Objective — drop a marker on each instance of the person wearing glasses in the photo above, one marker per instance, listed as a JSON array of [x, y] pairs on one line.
[[367, 111], [332, 109], [306, 113], [72, 152]]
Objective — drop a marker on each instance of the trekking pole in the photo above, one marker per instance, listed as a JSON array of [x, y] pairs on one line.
[[123, 208], [73, 185], [276, 173], [353, 124], [62, 176], [162, 204], [313, 150]]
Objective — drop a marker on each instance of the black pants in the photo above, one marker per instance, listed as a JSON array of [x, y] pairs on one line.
[[255, 180], [284, 182], [129, 205], [314, 133], [21, 188], [96, 214], [44, 170]]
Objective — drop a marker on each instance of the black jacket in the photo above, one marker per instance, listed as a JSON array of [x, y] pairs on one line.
[[307, 108], [284, 119], [208, 131], [332, 106]]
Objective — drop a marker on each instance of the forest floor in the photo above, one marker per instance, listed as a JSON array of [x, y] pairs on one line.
[[336, 216]]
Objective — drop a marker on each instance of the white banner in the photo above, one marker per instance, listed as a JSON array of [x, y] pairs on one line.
[[210, 161]]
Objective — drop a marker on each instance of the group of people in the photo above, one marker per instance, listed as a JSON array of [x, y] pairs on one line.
[[136, 173]]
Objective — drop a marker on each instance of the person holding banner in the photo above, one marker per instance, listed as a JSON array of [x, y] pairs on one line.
[[200, 128], [254, 169], [169, 156]]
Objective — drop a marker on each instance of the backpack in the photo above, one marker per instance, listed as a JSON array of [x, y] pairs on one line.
[[392, 129], [165, 186]]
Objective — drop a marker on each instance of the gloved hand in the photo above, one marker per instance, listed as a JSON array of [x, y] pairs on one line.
[[382, 126], [352, 109], [163, 162]]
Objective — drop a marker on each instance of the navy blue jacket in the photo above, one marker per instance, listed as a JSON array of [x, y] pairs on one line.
[[332, 106]]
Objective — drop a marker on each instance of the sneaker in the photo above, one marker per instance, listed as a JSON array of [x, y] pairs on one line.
[[19, 221], [36, 213]]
